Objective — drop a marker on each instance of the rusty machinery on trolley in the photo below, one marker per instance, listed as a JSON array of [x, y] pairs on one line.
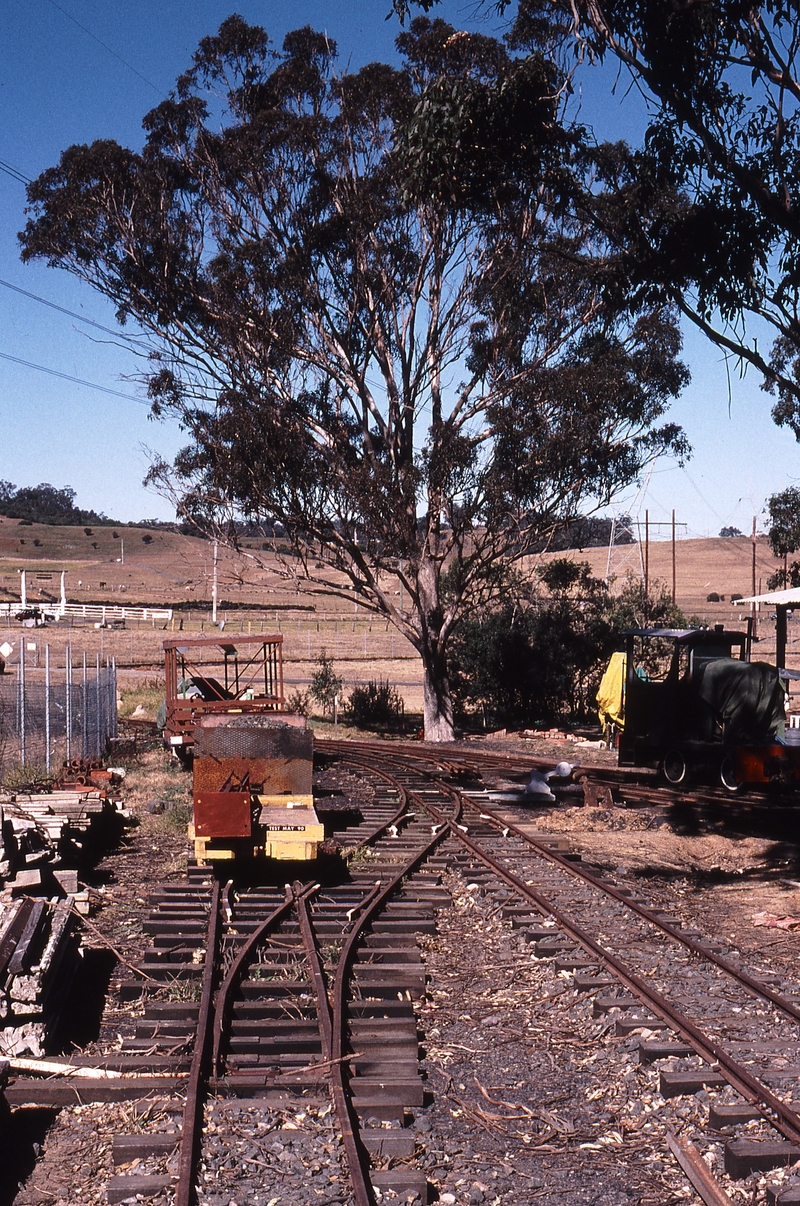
[[691, 703], [251, 760]]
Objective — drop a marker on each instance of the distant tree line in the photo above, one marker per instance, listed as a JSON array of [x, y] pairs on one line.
[[45, 504]]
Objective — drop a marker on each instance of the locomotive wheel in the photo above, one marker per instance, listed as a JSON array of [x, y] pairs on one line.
[[727, 774], [675, 768]]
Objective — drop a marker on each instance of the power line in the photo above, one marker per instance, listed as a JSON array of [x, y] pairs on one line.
[[14, 173], [64, 310], [105, 46], [77, 380]]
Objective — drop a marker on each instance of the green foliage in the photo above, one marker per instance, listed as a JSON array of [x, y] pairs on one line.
[[299, 702], [541, 659], [632, 608], [25, 776], [44, 504], [370, 231], [784, 518], [709, 203], [375, 705], [325, 683], [728, 532]]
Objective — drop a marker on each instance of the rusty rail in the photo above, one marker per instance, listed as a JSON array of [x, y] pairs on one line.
[[185, 1190]]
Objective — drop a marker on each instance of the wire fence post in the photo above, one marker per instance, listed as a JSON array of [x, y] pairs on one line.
[[68, 702], [114, 717], [97, 699], [47, 708], [22, 701], [84, 726]]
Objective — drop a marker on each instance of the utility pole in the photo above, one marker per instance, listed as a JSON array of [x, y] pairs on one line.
[[674, 575], [753, 579], [214, 585], [646, 554]]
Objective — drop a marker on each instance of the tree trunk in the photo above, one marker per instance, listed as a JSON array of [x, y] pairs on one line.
[[438, 704]]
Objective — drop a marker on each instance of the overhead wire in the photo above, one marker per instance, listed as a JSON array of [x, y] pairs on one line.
[[14, 173], [104, 389], [105, 46], [63, 309]]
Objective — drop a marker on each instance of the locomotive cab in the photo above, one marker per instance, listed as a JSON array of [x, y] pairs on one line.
[[693, 702]]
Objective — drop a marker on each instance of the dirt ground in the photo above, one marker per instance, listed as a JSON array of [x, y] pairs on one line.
[[720, 873]]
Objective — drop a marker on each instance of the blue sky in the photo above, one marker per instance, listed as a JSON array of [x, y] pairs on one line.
[[59, 85]]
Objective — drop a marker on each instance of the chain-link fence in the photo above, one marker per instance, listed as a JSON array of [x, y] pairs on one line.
[[53, 713]]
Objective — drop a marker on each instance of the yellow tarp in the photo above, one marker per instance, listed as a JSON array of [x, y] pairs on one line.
[[611, 693]]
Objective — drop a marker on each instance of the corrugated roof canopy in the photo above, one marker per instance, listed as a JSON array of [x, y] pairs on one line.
[[780, 598]]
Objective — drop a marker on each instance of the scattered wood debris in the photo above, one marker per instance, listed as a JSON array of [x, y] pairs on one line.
[[44, 838], [39, 956]]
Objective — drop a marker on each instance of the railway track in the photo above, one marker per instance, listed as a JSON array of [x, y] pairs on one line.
[[261, 1004]]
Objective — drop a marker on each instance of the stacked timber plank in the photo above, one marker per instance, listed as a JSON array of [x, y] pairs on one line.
[[39, 955], [43, 838]]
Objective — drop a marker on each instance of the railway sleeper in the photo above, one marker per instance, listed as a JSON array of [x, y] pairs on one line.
[[746, 1156], [408, 1090], [588, 983], [81, 1091], [602, 1005], [403, 1068], [401, 1180], [262, 1085], [723, 1114], [128, 1186], [684, 1084], [779, 1195], [397, 954], [626, 1026], [651, 1050], [288, 1012], [126, 1148], [303, 1047], [383, 1030], [396, 1144]]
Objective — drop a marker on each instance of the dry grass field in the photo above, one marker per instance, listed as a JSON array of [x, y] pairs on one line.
[[135, 566]]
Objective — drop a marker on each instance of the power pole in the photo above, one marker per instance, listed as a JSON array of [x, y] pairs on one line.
[[647, 554], [674, 575], [753, 578], [214, 585]]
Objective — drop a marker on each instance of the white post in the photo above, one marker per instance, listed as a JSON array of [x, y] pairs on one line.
[[63, 603], [23, 590]]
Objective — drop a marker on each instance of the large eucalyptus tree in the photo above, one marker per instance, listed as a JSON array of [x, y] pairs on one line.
[[410, 350]]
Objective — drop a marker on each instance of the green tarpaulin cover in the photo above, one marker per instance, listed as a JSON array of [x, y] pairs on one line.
[[746, 696]]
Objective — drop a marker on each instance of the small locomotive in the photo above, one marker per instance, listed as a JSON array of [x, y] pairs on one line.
[[691, 703], [251, 760]]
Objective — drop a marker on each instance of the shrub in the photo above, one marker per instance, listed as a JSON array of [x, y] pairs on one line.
[[26, 776], [713, 597], [325, 684], [735, 597], [299, 702], [147, 539], [88, 532], [375, 705]]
